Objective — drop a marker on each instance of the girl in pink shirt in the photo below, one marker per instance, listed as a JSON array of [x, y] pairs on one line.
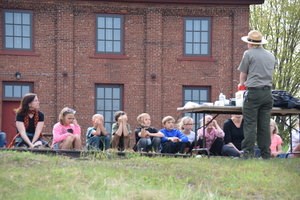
[[213, 135], [67, 132], [276, 140]]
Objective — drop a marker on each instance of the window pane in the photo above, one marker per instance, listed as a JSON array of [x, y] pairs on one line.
[[9, 31], [204, 48], [108, 93], [26, 43], [203, 95], [26, 18], [116, 93], [18, 30], [100, 105], [17, 91], [189, 36], [189, 48], [108, 35], [108, 104], [196, 36], [196, 95], [117, 35], [188, 95], [108, 21], [8, 91], [108, 46], [197, 25], [17, 18], [101, 23], [25, 90], [204, 25], [101, 46], [189, 25], [117, 47], [9, 18], [204, 37], [17, 42], [26, 31], [101, 34], [197, 48], [116, 105], [9, 42], [100, 92], [108, 116], [117, 23]]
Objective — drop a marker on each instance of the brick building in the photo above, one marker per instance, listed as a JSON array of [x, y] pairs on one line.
[[103, 56]]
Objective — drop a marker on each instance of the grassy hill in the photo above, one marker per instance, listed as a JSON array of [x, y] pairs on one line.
[[24, 175]]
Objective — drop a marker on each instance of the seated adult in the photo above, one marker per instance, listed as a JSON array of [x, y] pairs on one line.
[[97, 137], [234, 135], [29, 122]]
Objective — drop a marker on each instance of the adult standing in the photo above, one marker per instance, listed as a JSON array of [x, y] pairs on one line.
[[29, 122], [256, 72]]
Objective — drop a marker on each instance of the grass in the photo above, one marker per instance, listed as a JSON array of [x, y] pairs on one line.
[[30, 176]]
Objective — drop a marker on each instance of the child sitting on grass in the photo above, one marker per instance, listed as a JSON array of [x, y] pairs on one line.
[[174, 140], [97, 137], [147, 137]]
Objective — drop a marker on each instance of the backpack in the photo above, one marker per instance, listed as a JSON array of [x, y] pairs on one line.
[[283, 99]]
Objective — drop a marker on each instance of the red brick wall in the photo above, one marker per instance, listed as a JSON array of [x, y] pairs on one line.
[[65, 69]]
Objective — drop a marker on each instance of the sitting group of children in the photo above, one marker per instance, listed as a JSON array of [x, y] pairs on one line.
[[172, 138]]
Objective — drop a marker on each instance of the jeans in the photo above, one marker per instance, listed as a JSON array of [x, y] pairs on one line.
[[2, 139], [149, 144], [98, 143]]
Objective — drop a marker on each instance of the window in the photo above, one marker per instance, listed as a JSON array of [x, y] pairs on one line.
[[197, 36], [198, 95], [109, 34], [15, 90], [18, 30], [108, 101]]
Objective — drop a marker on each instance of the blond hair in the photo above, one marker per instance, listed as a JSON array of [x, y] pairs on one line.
[[273, 123], [97, 116], [183, 121], [166, 119], [141, 117]]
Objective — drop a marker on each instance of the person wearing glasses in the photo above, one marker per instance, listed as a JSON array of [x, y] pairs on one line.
[[67, 132], [121, 132], [29, 122], [186, 126]]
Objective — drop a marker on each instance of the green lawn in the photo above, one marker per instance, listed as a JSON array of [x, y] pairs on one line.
[[30, 176]]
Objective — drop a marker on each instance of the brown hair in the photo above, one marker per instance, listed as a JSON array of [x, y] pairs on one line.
[[24, 104]]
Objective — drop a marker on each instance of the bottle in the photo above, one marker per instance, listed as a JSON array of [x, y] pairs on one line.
[[239, 95], [222, 99]]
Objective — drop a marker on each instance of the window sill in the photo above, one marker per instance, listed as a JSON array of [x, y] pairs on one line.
[[18, 53], [196, 58], [110, 56]]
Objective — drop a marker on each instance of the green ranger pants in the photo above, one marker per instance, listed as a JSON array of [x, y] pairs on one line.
[[257, 107]]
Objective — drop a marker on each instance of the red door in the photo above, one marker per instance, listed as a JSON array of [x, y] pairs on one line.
[[9, 119]]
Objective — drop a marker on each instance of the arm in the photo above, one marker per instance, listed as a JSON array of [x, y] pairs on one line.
[[21, 128], [219, 131], [38, 131], [243, 78], [58, 134], [158, 134]]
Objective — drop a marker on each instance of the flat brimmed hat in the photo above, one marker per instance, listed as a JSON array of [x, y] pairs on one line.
[[254, 37]]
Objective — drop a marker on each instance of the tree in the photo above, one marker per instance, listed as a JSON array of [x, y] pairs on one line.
[[279, 20]]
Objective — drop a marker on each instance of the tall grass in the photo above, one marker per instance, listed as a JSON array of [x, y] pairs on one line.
[[29, 176]]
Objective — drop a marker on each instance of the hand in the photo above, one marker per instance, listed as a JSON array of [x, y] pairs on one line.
[[75, 122]]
